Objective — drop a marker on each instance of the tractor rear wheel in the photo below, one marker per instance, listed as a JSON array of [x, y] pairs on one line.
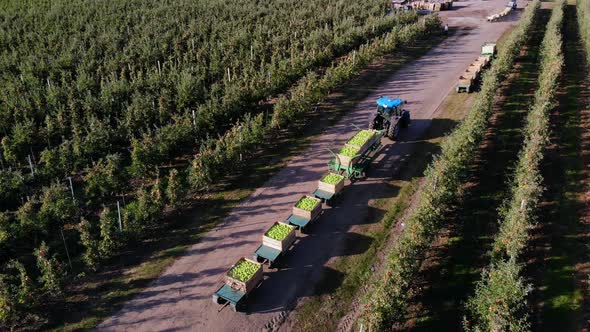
[[372, 118], [393, 131], [405, 119]]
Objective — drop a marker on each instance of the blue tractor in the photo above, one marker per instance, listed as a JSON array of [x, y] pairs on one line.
[[389, 116]]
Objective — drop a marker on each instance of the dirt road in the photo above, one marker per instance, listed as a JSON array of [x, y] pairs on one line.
[[181, 298]]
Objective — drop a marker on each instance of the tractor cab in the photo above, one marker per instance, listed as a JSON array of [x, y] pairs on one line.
[[390, 107], [390, 116]]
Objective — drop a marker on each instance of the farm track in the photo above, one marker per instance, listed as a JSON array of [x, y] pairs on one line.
[[454, 264], [180, 298], [558, 251]]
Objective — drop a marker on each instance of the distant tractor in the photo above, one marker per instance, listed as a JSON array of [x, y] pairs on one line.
[[511, 5], [389, 116], [488, 49]]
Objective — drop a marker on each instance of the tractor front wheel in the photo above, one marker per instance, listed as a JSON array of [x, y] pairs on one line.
[[372, 120], [393, 131]]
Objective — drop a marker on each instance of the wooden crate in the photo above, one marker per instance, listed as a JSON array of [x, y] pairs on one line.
[[347, 161], [484, 60], [465, 80], [331, 188], [308, 214], [280, 245], [248, 285], [366, 145]]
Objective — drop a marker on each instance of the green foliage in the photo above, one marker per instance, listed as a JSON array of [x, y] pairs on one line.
[[175, 188], [16, 146], [27, 219], [527, 184], [57, 162], [109, 241], [499, 303], [6, 305], [57, 205], [5, 233], [144, 212], [52, 274], [25, 293], [18, 298], [91, 254], [218, 157], [162, 79], [105, 178], [154, 148], [108, 93], [583, 10], [221, 156], [11, 188], [388, 300]]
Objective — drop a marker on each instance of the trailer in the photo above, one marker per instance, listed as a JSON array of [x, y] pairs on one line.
[[465, 84], [507, 9], [488, 49], [468, 79], [329, 187], [271, 249], [234, 292], [472, 74], [356, 166], [302, 218], [437, 5]]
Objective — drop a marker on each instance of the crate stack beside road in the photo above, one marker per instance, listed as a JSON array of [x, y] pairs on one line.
[[471, 76], [510, 6], [433, 5]]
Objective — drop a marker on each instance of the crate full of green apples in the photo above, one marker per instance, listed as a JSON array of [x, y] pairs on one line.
[[307, 207], [244, 275], [332, 183], [362, 140], [346, 156], [279, 236]]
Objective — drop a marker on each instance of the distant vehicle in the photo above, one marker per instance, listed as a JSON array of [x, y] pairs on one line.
[[511, 4], [473, 73]]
